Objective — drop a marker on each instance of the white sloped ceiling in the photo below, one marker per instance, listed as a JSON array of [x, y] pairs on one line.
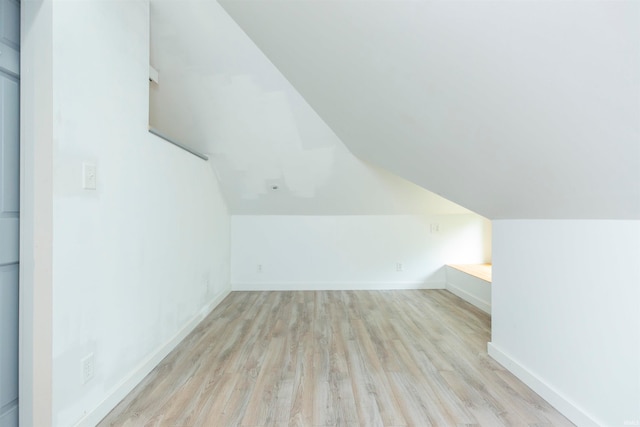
[[514, 109], [219, 94]]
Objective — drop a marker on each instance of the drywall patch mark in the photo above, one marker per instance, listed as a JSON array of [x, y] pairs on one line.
[[258, 135]]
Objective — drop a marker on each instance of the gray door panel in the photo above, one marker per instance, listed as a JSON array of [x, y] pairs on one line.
[[9, 168], [8, 336], [9, 208], [10, 153], [9, 417], [9, 240], [10, 29]]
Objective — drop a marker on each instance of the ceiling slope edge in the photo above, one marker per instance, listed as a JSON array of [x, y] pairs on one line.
[[271, 152], [515, 110]]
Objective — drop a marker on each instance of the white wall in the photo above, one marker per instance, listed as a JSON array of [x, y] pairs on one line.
[[36, 216], [351, 252], [138, 262], [566, 298]]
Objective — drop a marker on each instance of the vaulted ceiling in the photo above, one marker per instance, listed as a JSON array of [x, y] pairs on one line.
[[271, 151], [511, 109], [514, 109]]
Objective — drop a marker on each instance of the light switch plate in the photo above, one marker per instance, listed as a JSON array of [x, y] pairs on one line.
[[89, 178]]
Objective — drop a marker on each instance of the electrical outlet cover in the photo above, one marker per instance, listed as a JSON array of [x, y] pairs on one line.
[[88, 367]]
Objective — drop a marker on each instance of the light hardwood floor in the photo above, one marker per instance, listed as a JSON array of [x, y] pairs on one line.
[[335, 358]]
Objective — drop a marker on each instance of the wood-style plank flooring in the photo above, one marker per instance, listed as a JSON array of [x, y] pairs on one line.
[[335, 358]]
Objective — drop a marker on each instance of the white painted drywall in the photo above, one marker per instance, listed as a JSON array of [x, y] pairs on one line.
[[351, 252], [566, 298], [513, 109], [36, 208], [220, 94], [470, 288], [124, 271]]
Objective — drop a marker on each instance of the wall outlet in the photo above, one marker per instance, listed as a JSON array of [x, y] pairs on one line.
[[259, 268], [88, 368], [399, 266], [435, 228], [89, 176]]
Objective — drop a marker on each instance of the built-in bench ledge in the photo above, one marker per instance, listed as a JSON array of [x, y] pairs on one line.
[[472, 283], [481, 271]]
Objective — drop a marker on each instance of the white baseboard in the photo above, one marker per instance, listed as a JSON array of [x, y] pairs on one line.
[[470, 288], [470, 298], [120, 391], [564, 405], [334, 286]]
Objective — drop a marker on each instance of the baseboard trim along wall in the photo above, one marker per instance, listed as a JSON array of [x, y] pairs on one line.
[[566, 407], [335, 286], [470, 288], [470, 298], [129, 383]]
